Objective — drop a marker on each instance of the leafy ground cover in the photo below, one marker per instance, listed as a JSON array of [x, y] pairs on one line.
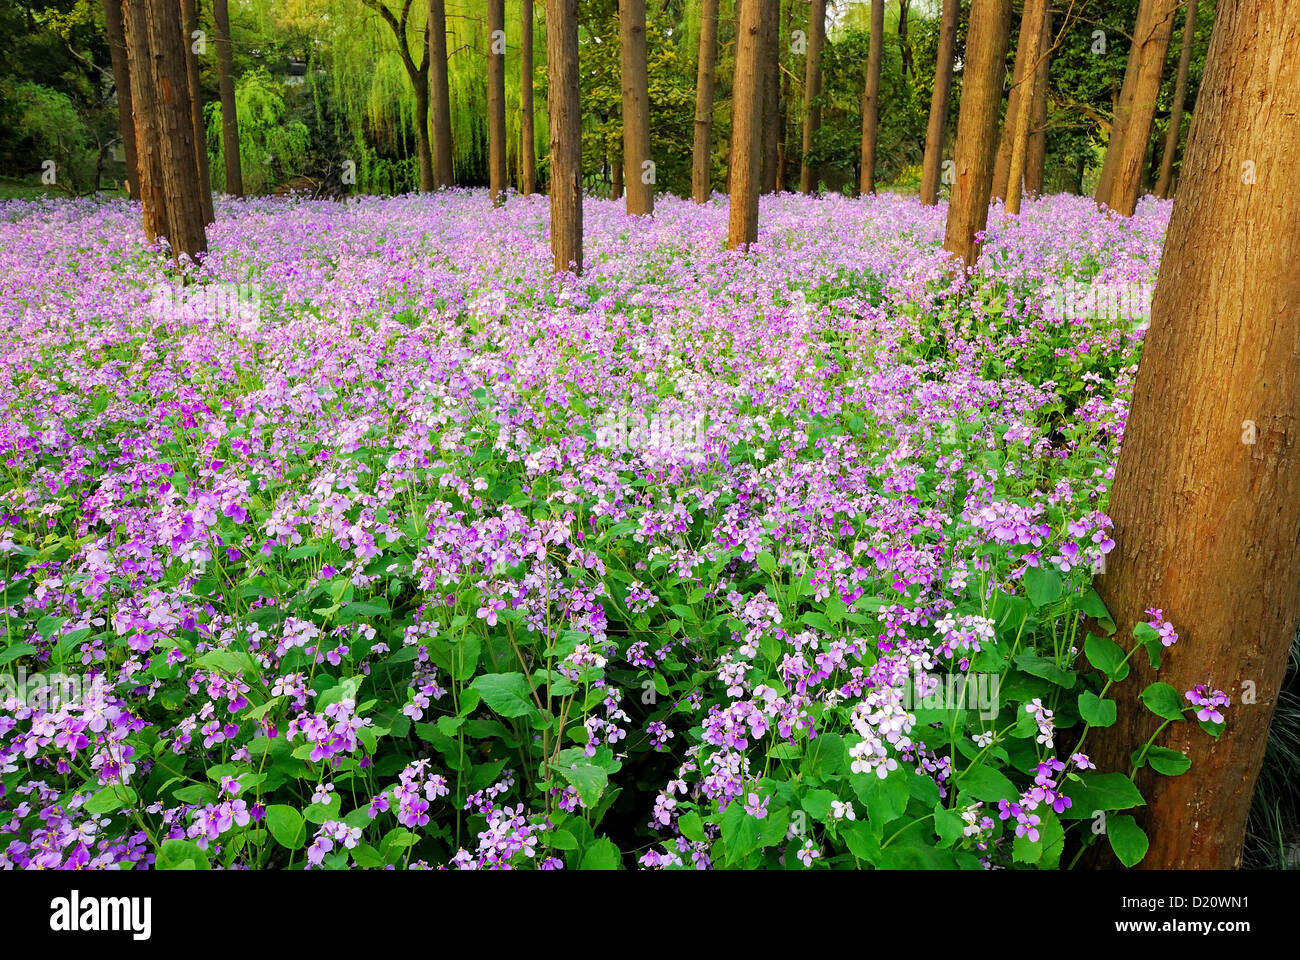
[[376, 544]]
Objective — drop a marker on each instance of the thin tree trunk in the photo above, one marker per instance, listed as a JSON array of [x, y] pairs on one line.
[[702, 147], [616, 180], [783, 140], [770, 83], [497, 101], [1137, 128], [812, 88], [1036, 158], [115, 34], [638, 166], [1007, 140], [528, 149], [440, 95], [144, 120], [1031, 35], [977, 126], [190, 25], [229, 113], [905, 48], [423, 149], [871, 100], [1106, 179], [1206, 497], [932, 164], [565, 111], [1180, 98], [746, 123]]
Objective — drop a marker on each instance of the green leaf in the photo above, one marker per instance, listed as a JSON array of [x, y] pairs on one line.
[[588, 780], [601, 855], [1165, 760], [110, 799], [286, 825], [985, 783], [1042, 585], [1106, 655], [1100, 791], [181, 855], [817, 803], [691, 826], [1126, 839], [766, 562], [1095, 607], [14, 651], [1046, 668], [1162, 700], [506, 693], [1098, 712]]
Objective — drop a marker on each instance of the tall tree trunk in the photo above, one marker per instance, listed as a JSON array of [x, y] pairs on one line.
[[1106, 179], [746, 123], [1036, 158], [1007, 141], [528, 156], [1206, 497], [144, 120], [190, 25], [1031, 34], [1137, 128], [932, 163], [226, 86], [115, 34], [440, 95], [812, 88], [871, 100], [638, 168], [616, 180], [497, 101], [565, 112], [164, 130], [783, 140], [770, 84], [977, 126], [423, 149], [905, 48], [1180, 97], [702, 147]]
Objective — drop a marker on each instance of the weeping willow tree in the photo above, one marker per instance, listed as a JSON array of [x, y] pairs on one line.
[[374, 105]]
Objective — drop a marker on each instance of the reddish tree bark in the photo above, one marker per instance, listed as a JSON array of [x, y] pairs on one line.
[[1206, 499]]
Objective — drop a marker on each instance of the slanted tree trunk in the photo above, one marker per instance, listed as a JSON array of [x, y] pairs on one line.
[[418, 74], [746, 123], [871, 100], [1036, 158], [190, 25], [932, 164], [977, 126], [1166, 180], [1153, 48], [439, 95], [115, 34], [1106, 179], [783, 139], [144, 120], [1206, 497], [812, 88], [904, 48], [564, 109], [770, 84], [528, 149], [497, 101], [1007, 141], [702, 147], [226, 86], [638, 166], [1031, 35]]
